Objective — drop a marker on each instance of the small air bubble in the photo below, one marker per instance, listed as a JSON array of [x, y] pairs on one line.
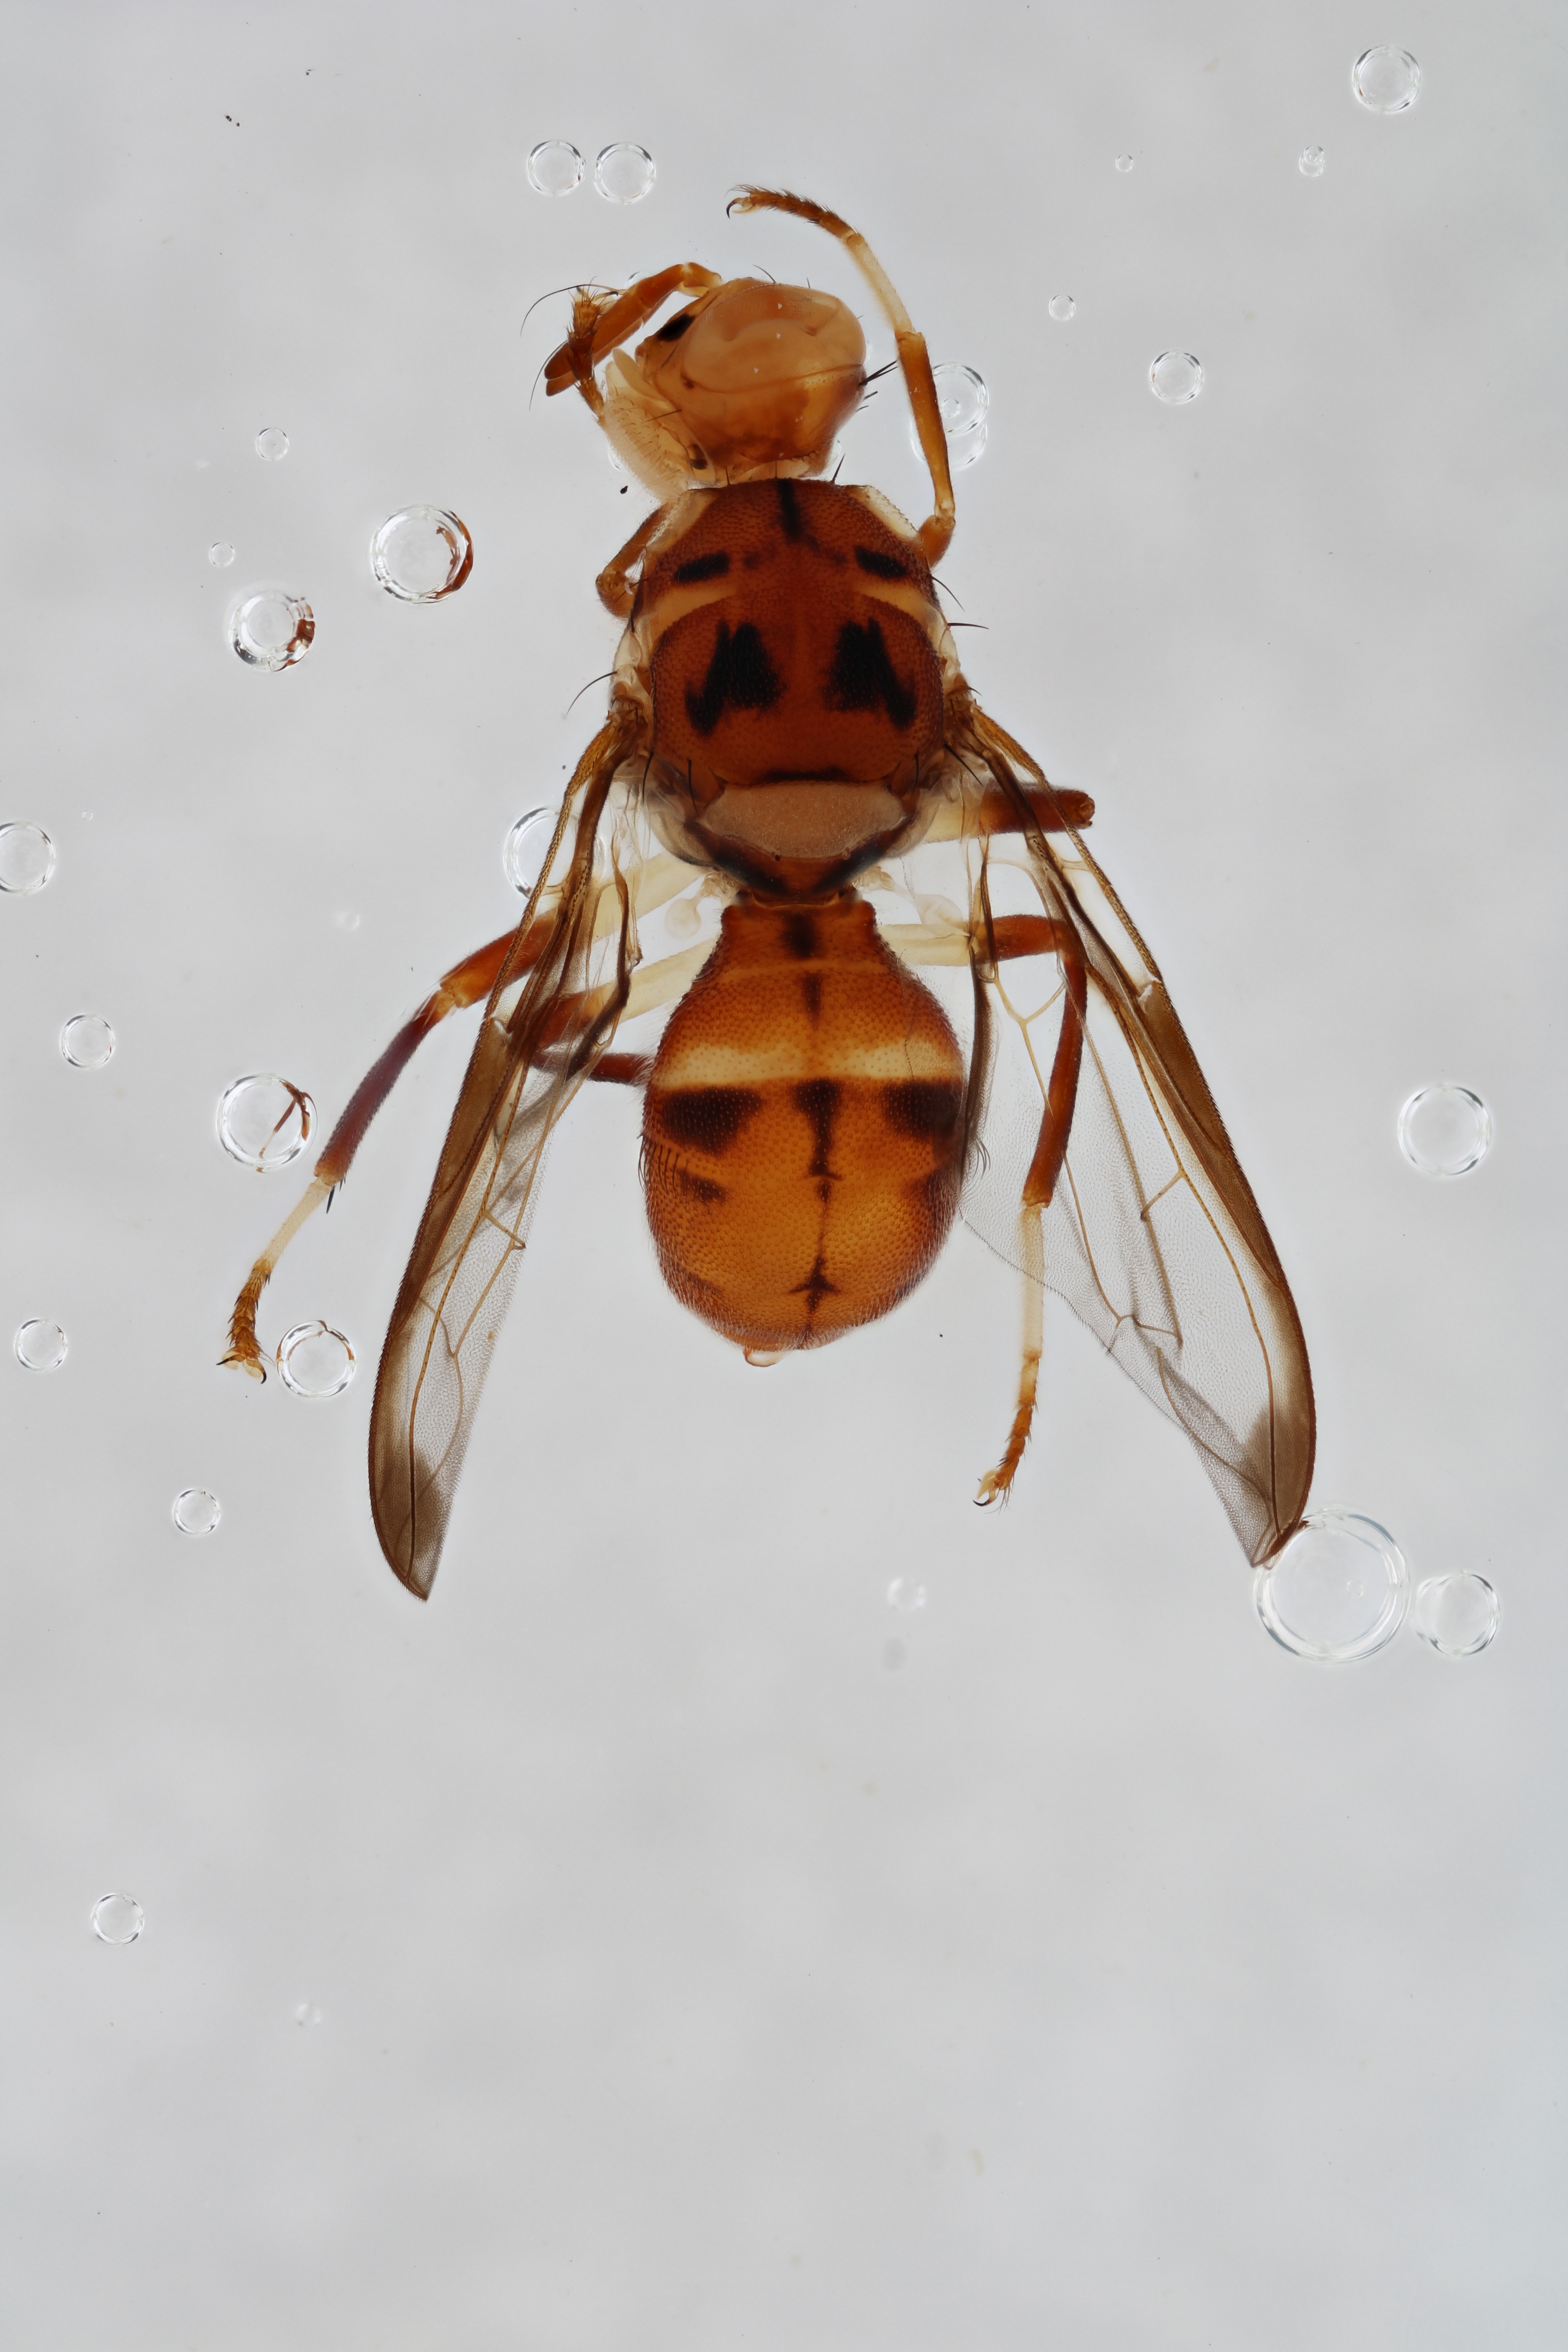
[[1337, 1592], [1062, 307], [1457, 1614], [41, 1346], [1124, 163], [1309, 163], [421, 554], [27, 858], [270, 629], [1386, 80], [623, 172], [272, 442], [87, 1041], [196, 1512], [1444, 1130], [307, 2015], [526, 846], [905, 1596], [554, 167], [117, 1919], [346, 920], [220, 555], [264, 1122], [964, 402], [1175, 378], [315, 1361]]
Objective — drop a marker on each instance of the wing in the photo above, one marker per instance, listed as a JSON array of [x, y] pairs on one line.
[[543, 1030], [1150, 1233]]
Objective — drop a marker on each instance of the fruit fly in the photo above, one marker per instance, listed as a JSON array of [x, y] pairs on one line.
[[787, 713]]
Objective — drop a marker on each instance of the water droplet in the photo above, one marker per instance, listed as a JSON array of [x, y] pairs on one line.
[[1175, 378], [762, 1360], [526, 846], [271, 629], [26, 857], [906, 1596], [272, 442], [623, 172], [346, 920], [220, 555], [315, 1361], [1124, 163], [1062, 307], [554, 167], [41, 1346], [1337, 1592], [196, 1512], [1457, 1614], [1386, 80], [265, 1122], [87, 1041], [1444, 1130], [117, 1919], [1309, 164], [306, 2015], [422, 553]]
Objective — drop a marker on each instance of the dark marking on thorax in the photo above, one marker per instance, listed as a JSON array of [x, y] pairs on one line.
[[703, 567], [880, 566], [798, 934], [790, 515], [740, 678], [818, 1099], [863, 676]]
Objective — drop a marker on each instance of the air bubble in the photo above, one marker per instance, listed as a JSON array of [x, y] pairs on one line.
[[117, 1919], [272, 442], [196, 1512], [307, 2015], [87, 1041], [264, 1122], [1124, 163], [554, 167], [1457, 1614], [964, 402], [1337, 1592], [1175, 378], [421, 554], [41, 1346], [346, 920], [526, 847], [1309, 163], [27, 858], [220, 555], [1386, 80], [271, 629], [905, 1596], [315, 1361], [1061, 308], [623, 172], [1444, 1130]]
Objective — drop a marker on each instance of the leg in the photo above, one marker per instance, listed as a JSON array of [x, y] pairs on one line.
[[600, 321], [614, 587], [937, 529]]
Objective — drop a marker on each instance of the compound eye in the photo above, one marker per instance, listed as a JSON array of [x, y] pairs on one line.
[[673, 328]]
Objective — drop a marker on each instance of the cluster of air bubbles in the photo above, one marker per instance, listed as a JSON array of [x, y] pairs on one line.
[[272, 442], [315, 1361], [1386, 80], [117, 1919], [220, 555], [87, 1041], [1444, 1130], [421, 554], [27, 858], [1337, 1592], [963, 403], [196, 1512], [41, 1346], [1309, 163], [1175, 377], [623, 172], [1124, 163], [265, 1122], [1457, 1614], [1061, 308], [271, 629]]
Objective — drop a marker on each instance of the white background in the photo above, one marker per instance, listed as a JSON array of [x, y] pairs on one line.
[[688, 1974]]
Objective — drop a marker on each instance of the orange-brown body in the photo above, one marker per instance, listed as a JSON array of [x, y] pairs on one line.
[[803, 1139]]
